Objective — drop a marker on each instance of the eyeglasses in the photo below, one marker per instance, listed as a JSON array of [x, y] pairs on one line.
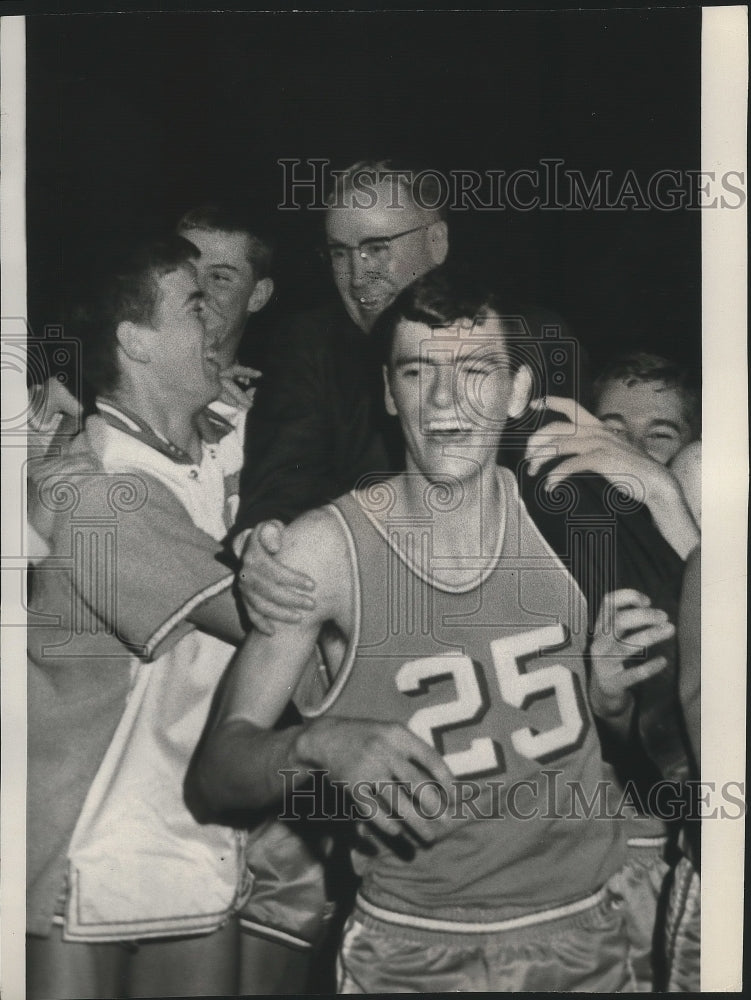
[[375, 250]]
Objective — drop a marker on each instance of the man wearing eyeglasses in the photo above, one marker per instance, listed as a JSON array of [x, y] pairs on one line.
[[317, 426], [371, 260]]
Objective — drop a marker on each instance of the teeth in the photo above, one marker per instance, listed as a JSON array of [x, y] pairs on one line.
[[443, 425]]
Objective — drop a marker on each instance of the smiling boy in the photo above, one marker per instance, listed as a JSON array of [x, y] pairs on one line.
[[453, 644], [132, 622], [650, 400]]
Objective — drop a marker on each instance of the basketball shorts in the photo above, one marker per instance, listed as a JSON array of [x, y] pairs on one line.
[[641, 882], [288, 901], [683, 932], [583, 946]]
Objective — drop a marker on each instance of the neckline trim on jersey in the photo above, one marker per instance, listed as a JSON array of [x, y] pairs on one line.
[[426, 577]]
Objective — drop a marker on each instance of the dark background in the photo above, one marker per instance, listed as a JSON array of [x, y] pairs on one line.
[[135, 117]]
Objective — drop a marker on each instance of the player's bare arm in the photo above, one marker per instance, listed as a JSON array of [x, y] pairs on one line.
[[220, 617], [593, 447], [627, 626], [241, 762], [271, 590]]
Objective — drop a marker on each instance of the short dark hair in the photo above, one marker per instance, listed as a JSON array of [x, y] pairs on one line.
[[225, 218], [126, 288], [443, 296], [641, 366], [421, 186]]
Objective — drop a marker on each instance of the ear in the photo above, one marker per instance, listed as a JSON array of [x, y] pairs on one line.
[[133, 340], [521, 392], [387, 394], [261, 294], [438, 241]]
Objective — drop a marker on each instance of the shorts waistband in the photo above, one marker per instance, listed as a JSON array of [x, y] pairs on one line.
[[479, 927], [660, 841]]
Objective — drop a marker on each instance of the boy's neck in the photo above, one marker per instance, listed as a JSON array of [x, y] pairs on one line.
[[172, 419], [465, 518]]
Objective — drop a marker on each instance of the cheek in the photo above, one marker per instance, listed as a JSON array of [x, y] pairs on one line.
[[403, 273], [237, 298], [490, 400], [195, 355], [407, 268], [493, 393], [342, 283], [661, 451], [224, 293], [670, 449], [409, 404]]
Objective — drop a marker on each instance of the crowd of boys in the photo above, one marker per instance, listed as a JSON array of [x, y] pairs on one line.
[[264, 589]]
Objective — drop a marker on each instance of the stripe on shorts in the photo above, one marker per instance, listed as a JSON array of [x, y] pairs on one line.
[[472, 927]]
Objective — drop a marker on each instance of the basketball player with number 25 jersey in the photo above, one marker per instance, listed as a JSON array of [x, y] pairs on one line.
[[449, 695]]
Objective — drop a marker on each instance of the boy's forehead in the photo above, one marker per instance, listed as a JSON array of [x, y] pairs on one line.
[[219, 245], [354, 218], [628, 396], [479, 335]]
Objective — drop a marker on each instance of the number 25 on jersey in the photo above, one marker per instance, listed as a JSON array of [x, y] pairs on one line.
[[483, 754]]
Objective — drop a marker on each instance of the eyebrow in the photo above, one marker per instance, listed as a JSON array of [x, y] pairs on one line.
[[226, 267], [434, 358], [413, 359], [655, 424]]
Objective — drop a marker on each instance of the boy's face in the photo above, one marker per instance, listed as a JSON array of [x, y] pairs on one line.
[[227, 281], [453, 390], [649, 414], [180, 353]]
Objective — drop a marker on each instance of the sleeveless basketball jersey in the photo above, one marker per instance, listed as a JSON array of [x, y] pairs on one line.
[[491, 675]]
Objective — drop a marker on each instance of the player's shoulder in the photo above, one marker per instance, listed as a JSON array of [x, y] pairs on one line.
[[316, 544], [314, 540]]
